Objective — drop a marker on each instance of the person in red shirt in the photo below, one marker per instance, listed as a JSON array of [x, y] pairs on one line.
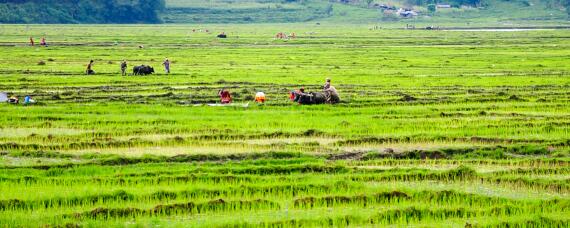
[[32, 41], [225, 96]]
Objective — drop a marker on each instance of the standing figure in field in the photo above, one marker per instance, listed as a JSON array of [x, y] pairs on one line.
[[166, 64], [43, 41], [89, 70], [124, 68], [327, 84], [326, 89], [225, 96], [31, 41], [332, 95], [330, 92]]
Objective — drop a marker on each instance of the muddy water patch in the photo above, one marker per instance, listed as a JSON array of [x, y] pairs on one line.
[[173, 151], [25, 132], [294, 140]]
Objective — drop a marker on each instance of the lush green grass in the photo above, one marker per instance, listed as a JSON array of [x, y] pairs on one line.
[[293, 192], [436, 128]]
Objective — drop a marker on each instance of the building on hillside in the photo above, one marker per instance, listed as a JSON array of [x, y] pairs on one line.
[[407, 13], [443, 6]]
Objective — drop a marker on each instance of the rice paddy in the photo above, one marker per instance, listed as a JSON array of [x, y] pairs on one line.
[[435, 128]]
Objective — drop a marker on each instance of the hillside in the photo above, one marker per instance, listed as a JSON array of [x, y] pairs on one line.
[[358, 11], [80, 11], [488, 12]]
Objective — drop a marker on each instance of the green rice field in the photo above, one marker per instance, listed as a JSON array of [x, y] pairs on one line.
[[444, 128]]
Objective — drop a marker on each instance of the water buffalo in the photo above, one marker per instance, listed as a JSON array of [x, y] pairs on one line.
[[308, 98], [143, 70]]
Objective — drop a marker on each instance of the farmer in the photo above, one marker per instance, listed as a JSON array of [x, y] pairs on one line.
[[327, 84], [31, 41], [89, 70], [260, 97], [225, 96], [166, 64], [296, 95], [28, 100], [13, 100], [293, 94], [330, 92], [332, 96], [124, 68], [43, 41]]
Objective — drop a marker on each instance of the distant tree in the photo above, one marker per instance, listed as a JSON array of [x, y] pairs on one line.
[[415, 2], [431, 9], [329, 10], [567, 5]]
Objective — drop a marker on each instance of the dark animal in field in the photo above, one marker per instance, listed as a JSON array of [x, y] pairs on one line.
[[143, 70], [223, 36], [308, 98]]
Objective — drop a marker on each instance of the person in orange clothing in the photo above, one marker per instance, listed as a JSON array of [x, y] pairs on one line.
[[260, 97]]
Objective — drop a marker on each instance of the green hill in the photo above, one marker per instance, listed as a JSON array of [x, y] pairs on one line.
[[80, 11], [488, 12], [285, 11]]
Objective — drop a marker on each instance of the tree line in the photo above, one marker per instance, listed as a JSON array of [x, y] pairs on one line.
[[81, 11]]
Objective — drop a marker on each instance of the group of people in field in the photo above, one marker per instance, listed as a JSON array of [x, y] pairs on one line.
[[42, 42], [15, 100], [89, 69], [124, 65], [329, 95], [283, 36], [329, 92]]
